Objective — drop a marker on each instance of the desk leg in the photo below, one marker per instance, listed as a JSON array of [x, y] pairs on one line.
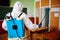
[[31, 35]]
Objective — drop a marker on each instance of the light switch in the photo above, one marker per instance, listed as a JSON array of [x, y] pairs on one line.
[[56, 14]]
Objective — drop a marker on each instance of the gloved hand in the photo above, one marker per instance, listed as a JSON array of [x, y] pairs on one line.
[[39, 25]]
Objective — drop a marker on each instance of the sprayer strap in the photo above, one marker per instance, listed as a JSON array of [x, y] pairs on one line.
[[20, 15]]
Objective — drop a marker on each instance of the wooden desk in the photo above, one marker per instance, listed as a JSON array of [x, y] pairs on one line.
[[39, 29], [3, 37], [35, 31]]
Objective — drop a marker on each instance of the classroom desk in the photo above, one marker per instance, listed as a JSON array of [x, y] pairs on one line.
[[39, 30], [3, 37]]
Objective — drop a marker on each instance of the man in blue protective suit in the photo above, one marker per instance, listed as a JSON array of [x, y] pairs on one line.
[[14, 18]]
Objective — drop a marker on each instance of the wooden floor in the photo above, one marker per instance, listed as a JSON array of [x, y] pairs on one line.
[[53, 35]]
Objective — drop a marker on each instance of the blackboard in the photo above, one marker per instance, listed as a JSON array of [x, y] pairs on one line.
[[5, 10]]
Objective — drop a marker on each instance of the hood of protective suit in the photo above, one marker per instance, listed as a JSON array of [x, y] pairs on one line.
[[17, 8]]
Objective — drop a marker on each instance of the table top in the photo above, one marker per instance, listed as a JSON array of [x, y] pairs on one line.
[[39, 29]]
